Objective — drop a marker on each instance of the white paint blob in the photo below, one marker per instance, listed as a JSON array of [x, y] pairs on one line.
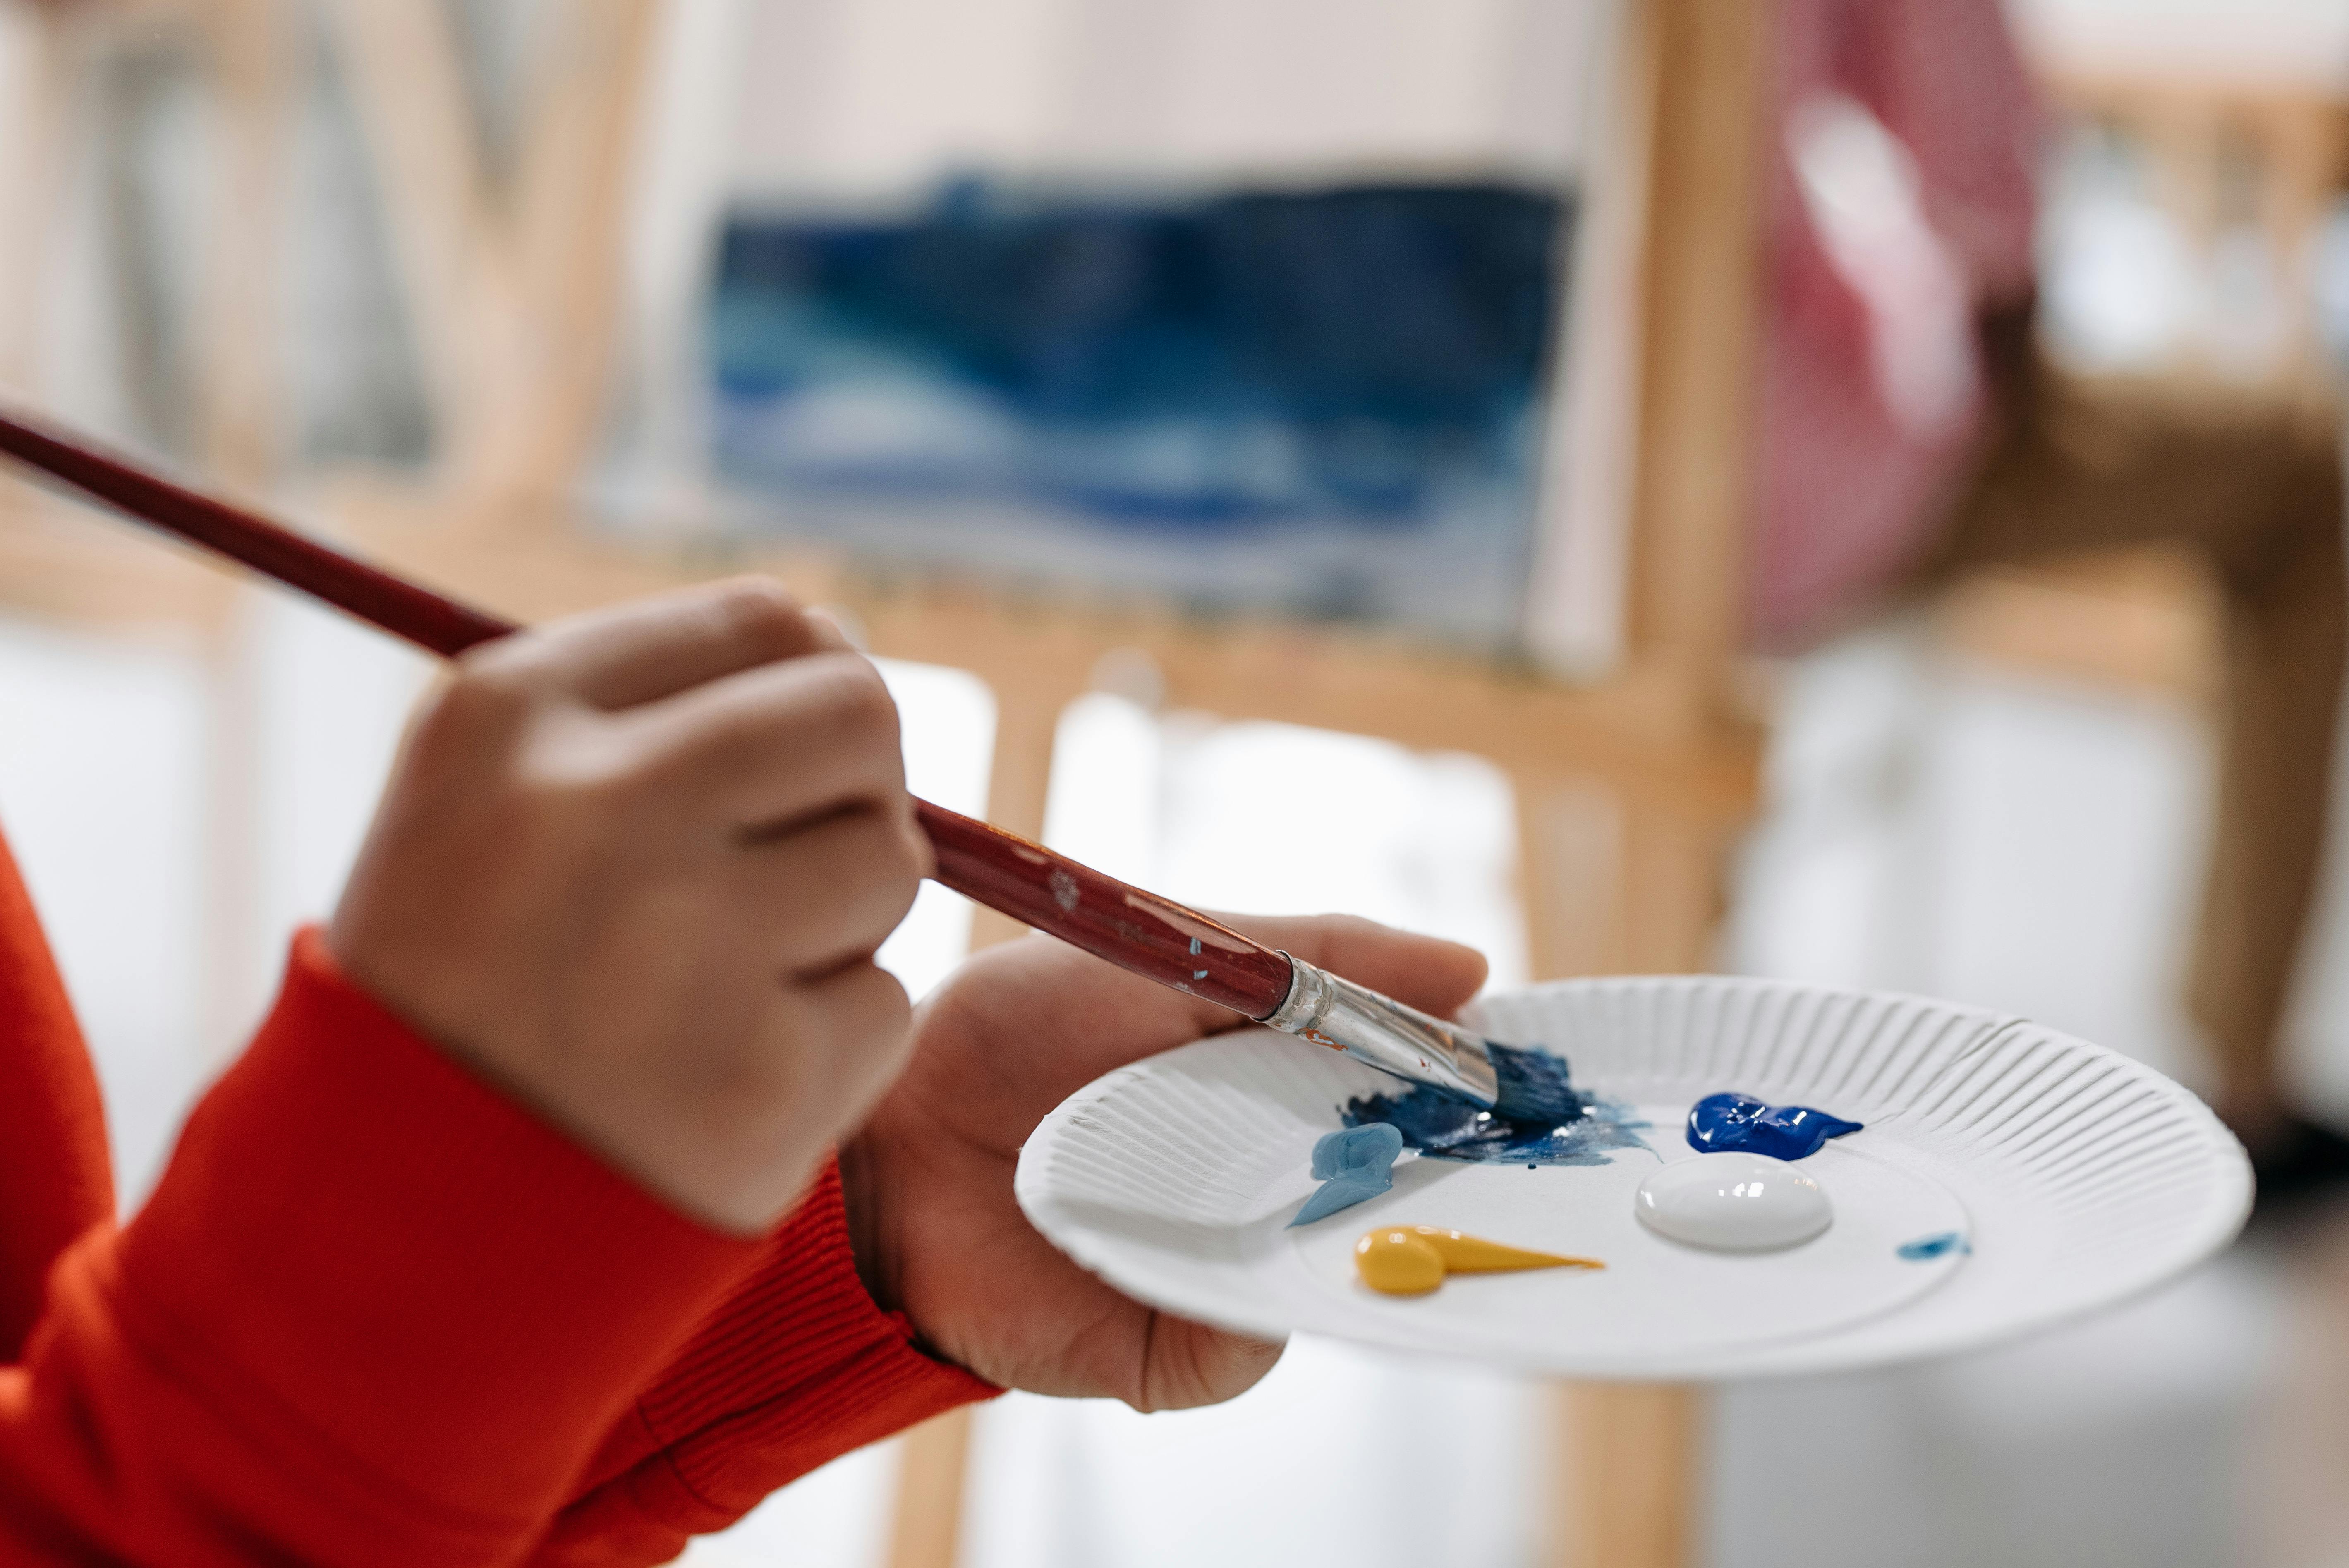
[[1735, 1202]]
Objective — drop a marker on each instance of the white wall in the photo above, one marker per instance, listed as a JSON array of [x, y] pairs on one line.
[[890, 93], [2287, 42]]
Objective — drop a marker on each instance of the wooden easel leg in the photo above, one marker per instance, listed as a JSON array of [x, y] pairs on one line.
[[33, 158], [1017, 784], [1614, 883], [927, 1528], [1674, 887], [237, 392], [1569, 875], [1632, 1493], [235, 950], [936, 1460]]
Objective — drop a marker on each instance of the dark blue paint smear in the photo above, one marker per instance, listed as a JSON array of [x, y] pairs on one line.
[[1354, 1163], [1925, 1249], [1720, 1122], [1542, 1119]]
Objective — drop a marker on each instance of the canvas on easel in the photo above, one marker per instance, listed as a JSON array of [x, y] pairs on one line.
[[1275, 310]]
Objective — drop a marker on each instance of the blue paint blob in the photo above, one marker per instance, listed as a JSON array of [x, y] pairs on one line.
[[1542, 1119], [1353, 1163], [1720, 1122], [1925, 1249]]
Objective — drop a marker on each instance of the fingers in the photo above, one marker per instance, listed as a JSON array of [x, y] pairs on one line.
[[651, 648], [857, 1019], [766, 746], [834, 890], [1427, 972], [1077, 1017]]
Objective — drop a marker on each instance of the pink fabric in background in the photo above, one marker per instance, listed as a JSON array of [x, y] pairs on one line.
[[1850, 471]]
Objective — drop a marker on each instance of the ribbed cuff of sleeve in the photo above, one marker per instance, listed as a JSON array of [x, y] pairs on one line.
[[394, 1280], [795, 1368]]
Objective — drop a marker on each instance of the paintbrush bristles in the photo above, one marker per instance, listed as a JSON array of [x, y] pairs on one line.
[[1535, 1086]]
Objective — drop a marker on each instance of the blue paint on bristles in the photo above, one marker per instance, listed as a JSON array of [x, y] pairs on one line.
[[1541, 1118]]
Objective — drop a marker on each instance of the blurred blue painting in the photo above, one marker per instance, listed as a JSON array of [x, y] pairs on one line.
[[1324, 402]]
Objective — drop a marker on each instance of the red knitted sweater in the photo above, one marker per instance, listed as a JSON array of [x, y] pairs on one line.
[[375, 1313]]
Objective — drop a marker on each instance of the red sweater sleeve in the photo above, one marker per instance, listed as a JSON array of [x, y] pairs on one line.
[[55, 1181], [374, 1314], [796, 1368]]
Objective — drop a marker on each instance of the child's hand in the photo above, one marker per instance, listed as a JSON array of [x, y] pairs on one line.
[[1015, 1031], [632, 868]]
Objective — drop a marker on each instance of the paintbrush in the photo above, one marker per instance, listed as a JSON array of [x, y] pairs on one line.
[[1138, 931]]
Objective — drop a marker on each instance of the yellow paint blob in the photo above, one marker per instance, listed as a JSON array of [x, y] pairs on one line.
[[1412, 1260]]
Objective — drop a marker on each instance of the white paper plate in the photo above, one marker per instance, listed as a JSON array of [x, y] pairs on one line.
[[2077, 1176]]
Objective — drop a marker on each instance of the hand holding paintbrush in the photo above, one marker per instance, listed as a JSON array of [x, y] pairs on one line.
[[1136, 930]]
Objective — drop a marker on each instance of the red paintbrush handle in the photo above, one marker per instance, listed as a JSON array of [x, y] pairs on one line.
[[1153, 937], [398, 606]]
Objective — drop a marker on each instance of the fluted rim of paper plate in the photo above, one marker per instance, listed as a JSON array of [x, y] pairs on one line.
[[2221, 1217]]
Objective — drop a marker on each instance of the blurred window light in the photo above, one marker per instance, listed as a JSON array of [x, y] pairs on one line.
[[1280, 818], [2119, 288], [2246, 318], [2328, 272], [1108, 768], [947, 719], [837, 1517], [103, 738], [1861, 190]]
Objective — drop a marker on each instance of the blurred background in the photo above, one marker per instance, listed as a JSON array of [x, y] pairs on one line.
[[1593, 430]]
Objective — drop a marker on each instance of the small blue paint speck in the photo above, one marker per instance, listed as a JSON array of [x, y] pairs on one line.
[[1195, 947], [1925, 1249], [1198, 974]]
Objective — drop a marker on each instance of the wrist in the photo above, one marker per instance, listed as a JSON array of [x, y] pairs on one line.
[[863, 1191]]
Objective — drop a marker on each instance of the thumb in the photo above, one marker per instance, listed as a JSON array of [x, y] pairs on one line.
[[1188, 1364]]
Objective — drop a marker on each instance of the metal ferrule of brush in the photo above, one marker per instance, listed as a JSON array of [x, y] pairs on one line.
[[1404, 1041]]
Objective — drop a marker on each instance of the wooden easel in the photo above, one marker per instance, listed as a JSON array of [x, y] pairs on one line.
[[1629, 790], [2217, 151], [52, 562]]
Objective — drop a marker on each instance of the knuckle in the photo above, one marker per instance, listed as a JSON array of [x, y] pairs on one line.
[[878, 1004], [888, 888], [911, 848], [885, 847], [762, 612], [559, 793], [860, 882], [576, 772], [854, 697], [477, 709], [498, 690]]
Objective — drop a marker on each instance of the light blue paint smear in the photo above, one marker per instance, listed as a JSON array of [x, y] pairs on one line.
[[1354, 1163], [1925, 1249]]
